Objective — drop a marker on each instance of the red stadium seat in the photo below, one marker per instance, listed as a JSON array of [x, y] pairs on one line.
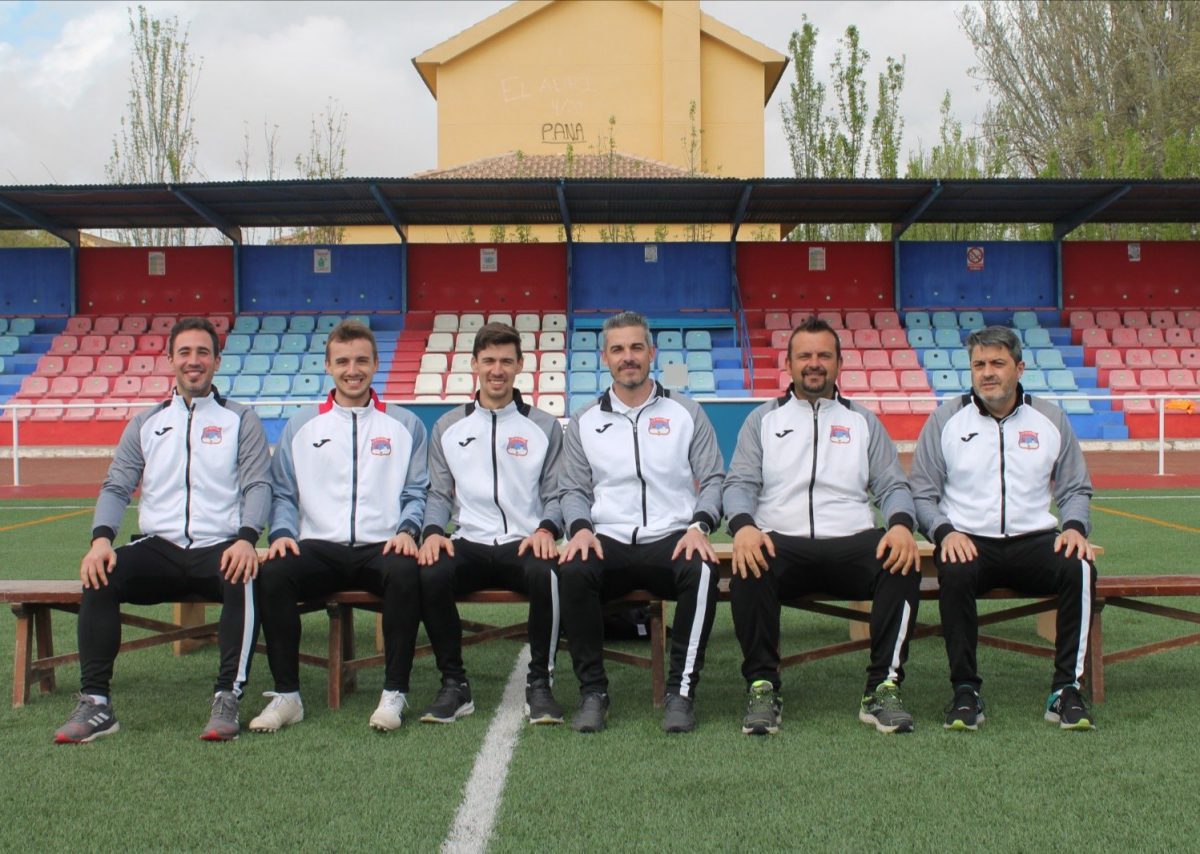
[[134, 325], [887, 320], [876, 360], [852, 382], [776, 320], [54, 413], [110, 366], [846, 337], [893, 339], [128, 386], [1151, 336], [1189, 358], [914, 380], [897, 405], [866, 338], [1138, 358], [785, 379], [151, 344], [858, 320], [1165, 358], [79, 413], [1123, 380], [94, 386], [884, 380], [922, 407], [1188, 319], [1154, 380], [64, 386], [78, 326], [1109, 359], [1136, 318], [52, 366], [1196, 335], [63, 345], [106, 325], [1182, 379], [1124, 338], [161, 325], [162, 366], [1081, 319], [799, 317], [220, 323], [1108, 319], [141, 366], [156, 387], [1163, 319], [1140, 406], [113, 410], [903, 360], [833, 318], [122, 344], [1096, 337], [1177, 336], [92, 345], [33, 386], [80, 366], [779, 338], [851, 360]]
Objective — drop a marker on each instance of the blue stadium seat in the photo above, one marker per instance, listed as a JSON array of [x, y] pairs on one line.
[[1034, 381], [256, 364], [944, 381], [701, 382], [668, 357], [1024, 319], [947, 338], [960, 359], [3, 325], [293, 342], [271, 410], [1061, 380], [306, 385], [1076, 407], [265, 343], [326, 322], [964, 377], [670, 339], [935, 360], [944, 320], [919, 338], [697, 339], [583, 361], [236, 343], [699, 360], [273, 324], [970, 320], [1037, 337], [326, 385], [583, 383], [231, 365], [276, 385], [21, 326], [222, 383], [583, 340], [916, 320], [1049, 360], [305, 324], [9, 345], [361, 318], [579, 401], [245, 385], [316, 344], [286, 363], [245, 324], [312, 363]]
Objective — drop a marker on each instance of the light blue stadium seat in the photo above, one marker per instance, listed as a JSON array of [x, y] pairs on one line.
[[236, 343], [699, 360], [579, 401], [231, 365], [326, 385], [316, 344], [670, 339], [697, 339], [245, 385], [257, 364], [273, 324], [326, 322], [9, 345], [3, 325], [222, 383], [265, 343], [1076, 407], [964, 377], [21, 326], [1061, 380], [245, 324], [944, 320], [944, 381], [286, 363], [306, 385], [935, 360], [312, 363], [947, 338], [289, 410], [275, 385], [304, 324], [293, 342], [916, 320], [702, 382], [583, 383], [1034, 381], [583, 361], [1049, 360], [361, 318], [960, 359], [1038, 337], [1024, 319], [583, 340], [1029, 357], [271, 410], [1, 366], [970, 320], [919, 338], [669, 357]]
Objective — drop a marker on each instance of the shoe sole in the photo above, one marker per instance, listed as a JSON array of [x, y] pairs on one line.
[[588, 729], [1081, 725], [269, 729], [544, 720], [760, 730], [962, 726], [867, 718], [461, 712], [679, 728], [62, 739], [213, 735], [378, 727]]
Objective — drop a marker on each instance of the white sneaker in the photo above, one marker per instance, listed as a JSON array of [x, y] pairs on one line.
[[282, 711], [390, 713]]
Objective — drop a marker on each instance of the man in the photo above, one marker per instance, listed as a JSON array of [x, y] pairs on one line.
[[985, 467], [202, 464], [350, 479], [493, 464], [641, 487], [797, 495]]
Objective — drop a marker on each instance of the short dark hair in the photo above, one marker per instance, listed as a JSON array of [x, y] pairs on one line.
[[995, 336], [496, 335], [624, 319], [816, 324], [351, 330], [201, 324]]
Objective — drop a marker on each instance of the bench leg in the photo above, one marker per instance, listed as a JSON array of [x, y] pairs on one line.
[[1095, 654], [188, 614], [658, 650], [1047, 625], [333, 676], [44, 635], [21, 654], [350, 677]]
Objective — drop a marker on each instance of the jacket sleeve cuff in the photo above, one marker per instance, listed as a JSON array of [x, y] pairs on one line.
[[410, 529], [902, 519], [942, 532], [430, 530], [248, 534], [740, 521], [104, 531], [279, 535], [701, 516], [1075, 525], [580, 525], [554, 530]]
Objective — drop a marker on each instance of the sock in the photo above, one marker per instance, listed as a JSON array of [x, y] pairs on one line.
[[99, 698]]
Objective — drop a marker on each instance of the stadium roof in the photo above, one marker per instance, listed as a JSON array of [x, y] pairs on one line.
[[400, 202]]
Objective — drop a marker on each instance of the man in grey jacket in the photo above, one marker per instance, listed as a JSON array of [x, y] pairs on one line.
[[797, 495], [202, 464], [641, 491], [986, 465]]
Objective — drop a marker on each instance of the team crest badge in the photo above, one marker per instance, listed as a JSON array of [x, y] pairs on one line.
[[211, 435], [518, 446], [1028, 440], [660, 426], [839, 435], [381, 446]]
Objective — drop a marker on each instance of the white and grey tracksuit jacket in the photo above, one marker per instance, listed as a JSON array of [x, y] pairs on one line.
[[993, 478], [805, 470], [349, 475], [203, 470], [637, 475], [495, 472]]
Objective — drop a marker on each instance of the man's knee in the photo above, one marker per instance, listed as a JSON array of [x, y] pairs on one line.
[[539, 573], [580, 577], [402, 576], [438, 579]]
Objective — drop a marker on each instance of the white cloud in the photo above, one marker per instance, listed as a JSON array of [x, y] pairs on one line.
[[67, 70]]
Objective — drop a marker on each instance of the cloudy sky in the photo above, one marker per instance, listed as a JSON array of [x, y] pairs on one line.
[[64, 76]]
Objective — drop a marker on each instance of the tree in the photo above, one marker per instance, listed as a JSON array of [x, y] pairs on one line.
[[157, 140], [325, 160], [272, 165]]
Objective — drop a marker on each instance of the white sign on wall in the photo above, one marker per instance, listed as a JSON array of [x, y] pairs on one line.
[[322, 260], [158, 263], [489, 260]]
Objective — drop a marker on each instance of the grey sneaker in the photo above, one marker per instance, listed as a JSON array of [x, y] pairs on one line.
[[540, 705], [764, 711], [592, 714], [883, 709], [452, 702], [678, 715], [965, 711], [223, 722], [89, 721], [1066, 708]]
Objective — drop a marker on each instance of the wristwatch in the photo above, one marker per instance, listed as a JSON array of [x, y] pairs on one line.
[[702, 527]]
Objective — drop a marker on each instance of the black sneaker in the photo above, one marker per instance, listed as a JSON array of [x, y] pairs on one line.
[[89, 721], [223, 723], [965, 711], [540, 705], [1066, 708], [884, 710], [678, 715], [592, 714], [452, 702], [764, 711]]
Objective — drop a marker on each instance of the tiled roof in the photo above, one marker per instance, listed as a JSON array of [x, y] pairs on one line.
[[517, 164]]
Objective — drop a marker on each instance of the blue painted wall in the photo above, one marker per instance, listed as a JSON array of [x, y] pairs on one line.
[[618, 276], [281, 278], [934, 274], [35, 281]]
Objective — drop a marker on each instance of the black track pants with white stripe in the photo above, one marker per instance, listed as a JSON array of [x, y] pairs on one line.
[[152, 570], [841, 566], [1028, 564], [587, 584], [478, 566]]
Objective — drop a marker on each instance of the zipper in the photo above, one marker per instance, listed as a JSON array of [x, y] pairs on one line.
[[187, 478], [496, 473], [637, 464], [812, 480], [1003, 488], [354, 473]]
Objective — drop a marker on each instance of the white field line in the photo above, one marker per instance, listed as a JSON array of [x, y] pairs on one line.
[[476, 815]]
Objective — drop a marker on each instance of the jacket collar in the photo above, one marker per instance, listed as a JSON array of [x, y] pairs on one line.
[[606, 399], [1022, 398], [328, 405], [517, 404]]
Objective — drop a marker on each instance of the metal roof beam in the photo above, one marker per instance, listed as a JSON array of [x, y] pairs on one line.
[[389, 212], [563, 210], [1068, 224], [740, 214], [37, 220], [220, 223], [898, 228]]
